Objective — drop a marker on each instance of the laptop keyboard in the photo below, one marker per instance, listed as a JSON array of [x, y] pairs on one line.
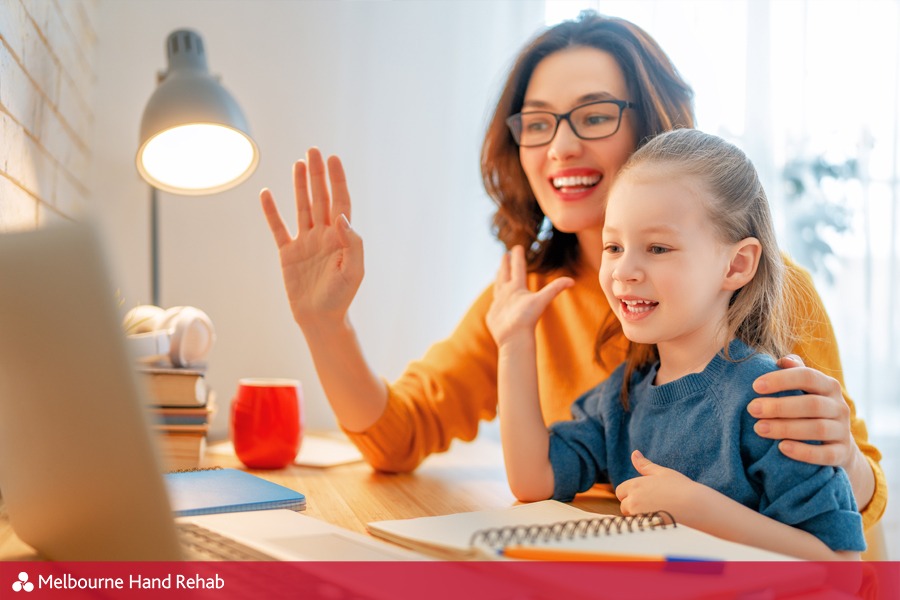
[[199, 543]]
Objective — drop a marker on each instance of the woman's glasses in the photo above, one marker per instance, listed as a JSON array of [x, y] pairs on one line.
[[591, 121]]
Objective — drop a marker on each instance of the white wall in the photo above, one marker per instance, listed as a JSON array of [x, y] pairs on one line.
[[400, 90]]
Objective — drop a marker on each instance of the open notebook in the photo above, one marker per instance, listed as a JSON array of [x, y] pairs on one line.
[[481, 535]]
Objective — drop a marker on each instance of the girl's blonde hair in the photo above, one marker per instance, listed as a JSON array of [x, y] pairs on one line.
[[758, 312]]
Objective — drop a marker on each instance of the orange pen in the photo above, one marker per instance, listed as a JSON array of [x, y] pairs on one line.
[[561, 554]]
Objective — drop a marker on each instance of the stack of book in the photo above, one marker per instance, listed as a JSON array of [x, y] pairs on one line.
[[181, 406]]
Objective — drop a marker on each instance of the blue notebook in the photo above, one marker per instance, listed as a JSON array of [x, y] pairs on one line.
[[207, 491]]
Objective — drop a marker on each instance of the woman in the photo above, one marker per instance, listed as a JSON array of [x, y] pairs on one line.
[[551, 197]]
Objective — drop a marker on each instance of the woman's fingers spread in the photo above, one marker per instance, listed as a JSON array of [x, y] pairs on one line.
[[321, 203], [301, 197], [346, 235], [340, 201], [273, 218]]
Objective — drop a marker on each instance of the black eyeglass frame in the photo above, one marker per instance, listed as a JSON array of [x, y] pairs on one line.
[[514, 122]]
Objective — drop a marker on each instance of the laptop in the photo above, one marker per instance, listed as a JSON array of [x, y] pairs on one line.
[[80, 475]]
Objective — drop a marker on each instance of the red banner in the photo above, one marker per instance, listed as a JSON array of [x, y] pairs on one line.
[[449, 580]]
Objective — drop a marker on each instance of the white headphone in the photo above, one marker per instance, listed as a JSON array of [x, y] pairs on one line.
[[191, 332]]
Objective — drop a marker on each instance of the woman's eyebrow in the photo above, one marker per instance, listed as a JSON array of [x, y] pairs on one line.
[[585, 99]]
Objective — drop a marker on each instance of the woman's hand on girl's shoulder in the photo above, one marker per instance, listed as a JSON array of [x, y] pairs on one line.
[[820, 415]]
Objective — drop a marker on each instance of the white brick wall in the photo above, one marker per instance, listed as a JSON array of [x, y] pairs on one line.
[[46, 83]]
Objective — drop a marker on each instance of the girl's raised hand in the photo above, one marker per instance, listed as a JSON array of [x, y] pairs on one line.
[[515, 309], [322, 266]]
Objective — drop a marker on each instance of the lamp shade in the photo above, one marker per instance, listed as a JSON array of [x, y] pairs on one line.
[[194, 138]]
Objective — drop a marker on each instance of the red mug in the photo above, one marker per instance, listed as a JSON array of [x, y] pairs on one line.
[[267, 422]]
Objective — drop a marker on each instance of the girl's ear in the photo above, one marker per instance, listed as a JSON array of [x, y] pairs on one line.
[[745, 256]]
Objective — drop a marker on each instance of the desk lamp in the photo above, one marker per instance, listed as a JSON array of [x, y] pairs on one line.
[[194, 138]]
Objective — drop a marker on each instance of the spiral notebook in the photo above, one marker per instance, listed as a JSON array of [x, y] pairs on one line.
[[481, 535], [217, 490]]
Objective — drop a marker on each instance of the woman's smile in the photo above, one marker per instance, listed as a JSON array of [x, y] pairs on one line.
[[575, 184]]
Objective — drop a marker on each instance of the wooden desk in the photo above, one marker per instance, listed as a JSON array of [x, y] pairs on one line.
[[467, 477]]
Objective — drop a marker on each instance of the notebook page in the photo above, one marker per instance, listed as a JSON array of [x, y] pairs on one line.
[[451, 533]]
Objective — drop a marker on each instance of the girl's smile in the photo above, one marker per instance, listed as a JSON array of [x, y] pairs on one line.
[[635, 309]]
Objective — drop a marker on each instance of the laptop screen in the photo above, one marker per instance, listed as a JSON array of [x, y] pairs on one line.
[[78, 470]]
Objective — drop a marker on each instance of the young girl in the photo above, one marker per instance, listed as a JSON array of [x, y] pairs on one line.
[[692, 271]]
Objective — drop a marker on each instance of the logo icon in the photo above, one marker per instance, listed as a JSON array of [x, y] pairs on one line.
[[22, 584]]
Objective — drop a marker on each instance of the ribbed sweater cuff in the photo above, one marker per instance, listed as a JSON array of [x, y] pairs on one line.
[[383, 434]]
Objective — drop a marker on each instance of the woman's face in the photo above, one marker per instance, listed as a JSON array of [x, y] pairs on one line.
[[570, 176]]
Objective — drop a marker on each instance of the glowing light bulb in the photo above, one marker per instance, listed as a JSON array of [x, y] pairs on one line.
[[198, 157]]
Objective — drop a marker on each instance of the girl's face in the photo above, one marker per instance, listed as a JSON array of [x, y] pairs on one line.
[[570, 176], [663, 269]]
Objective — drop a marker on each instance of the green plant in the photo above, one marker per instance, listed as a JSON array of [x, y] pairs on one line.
[[814, 211]]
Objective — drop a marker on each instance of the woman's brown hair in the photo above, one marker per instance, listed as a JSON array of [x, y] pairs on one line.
[[664, 102]]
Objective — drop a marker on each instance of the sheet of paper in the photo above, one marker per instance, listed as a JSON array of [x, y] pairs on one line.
[[315, 451], [322, 451]]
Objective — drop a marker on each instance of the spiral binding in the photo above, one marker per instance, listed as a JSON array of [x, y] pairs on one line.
[[194, 470], [499, 537]]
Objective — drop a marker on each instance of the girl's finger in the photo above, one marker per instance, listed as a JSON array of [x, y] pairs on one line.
[[503, 270], [517, 266]]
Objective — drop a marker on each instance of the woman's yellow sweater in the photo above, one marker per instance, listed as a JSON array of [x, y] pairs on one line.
[[454, 386]]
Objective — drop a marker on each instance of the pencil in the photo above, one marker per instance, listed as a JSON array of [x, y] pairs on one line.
[[561, 554]]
